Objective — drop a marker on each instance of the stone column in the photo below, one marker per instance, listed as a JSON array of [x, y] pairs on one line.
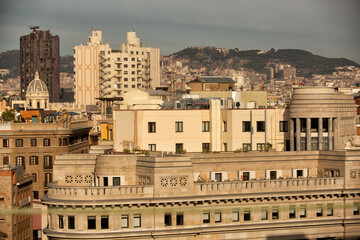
[[320, 134], [308, 134], [330, 127], [336, 140], [298, 132], [291, 134]]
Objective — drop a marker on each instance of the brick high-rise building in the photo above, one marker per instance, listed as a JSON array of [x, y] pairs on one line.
[[39, 51]]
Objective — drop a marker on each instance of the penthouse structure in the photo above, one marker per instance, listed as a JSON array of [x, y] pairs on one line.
[[310, 195], [104, 75]]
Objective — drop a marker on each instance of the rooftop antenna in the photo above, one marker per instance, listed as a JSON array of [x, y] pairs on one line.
[[34, 28]]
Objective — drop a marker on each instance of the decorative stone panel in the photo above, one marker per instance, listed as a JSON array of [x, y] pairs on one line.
[[173, 181]]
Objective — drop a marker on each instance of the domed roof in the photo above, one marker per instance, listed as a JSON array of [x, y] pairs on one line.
[[36, 85]]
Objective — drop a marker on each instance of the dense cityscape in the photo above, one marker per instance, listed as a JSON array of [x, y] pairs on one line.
[[202, 143]]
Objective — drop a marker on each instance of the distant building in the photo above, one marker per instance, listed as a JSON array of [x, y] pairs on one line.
[[39, 51], [16, 220], [212, 83]]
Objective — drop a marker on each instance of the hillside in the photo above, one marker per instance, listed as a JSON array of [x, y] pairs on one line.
[[11, 60], [305, 62]]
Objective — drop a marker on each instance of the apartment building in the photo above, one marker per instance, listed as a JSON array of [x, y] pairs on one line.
[[253, 195], [103, 75]]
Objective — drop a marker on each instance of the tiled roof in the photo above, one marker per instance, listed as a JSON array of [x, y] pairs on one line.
[[216, 79]]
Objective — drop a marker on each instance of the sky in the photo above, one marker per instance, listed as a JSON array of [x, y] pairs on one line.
[[324, 27]]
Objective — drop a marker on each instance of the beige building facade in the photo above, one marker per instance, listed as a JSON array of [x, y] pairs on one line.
[[101, 72]]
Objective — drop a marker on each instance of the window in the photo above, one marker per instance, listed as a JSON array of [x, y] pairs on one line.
[[218, 177], [264, 213], [179, 147], [151, 127], [275, 213], [302, 211], [106, 181], [104, 222], [178, 126], [299, 173], [47, 162], [33, 160], [61, 221], [225, 147], [34, 176], [246, 176], [179, 219], [91, 222], [247, 215], [206, 147], [217, 217], [330, 209], [235, 215], [125, 59], [283, 126], [59, 142], [124, 221], [20, 161], [125, 65], [246, 126], [47, 179], [116, 181], [167, 219], [71, 222], [152, 147], [46, 142], [205, 126], [246, 147], [260, 126], [225, 126], [273, 175], [19, 142], [206, 217], [36, 194], [6, 160], [356, 207], [260, 147], [319, 210], [33, 142], [137, 220], [292, 213], [5, 142]]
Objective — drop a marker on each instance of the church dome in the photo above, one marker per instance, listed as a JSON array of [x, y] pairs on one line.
[[36, 85]]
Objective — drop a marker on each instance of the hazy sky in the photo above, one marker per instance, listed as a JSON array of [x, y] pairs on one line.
[[326, 27]]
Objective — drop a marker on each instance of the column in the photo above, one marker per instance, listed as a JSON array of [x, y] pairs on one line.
[[291, 134], [308, 134], [330, 134], [336, 142], [320, 134], [298, 132]]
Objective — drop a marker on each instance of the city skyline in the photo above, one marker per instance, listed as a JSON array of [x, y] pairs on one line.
[[326, 28]]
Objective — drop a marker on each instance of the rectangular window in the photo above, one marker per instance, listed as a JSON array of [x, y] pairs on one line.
[[33, 160], [217, 217], [246, 147], [247, 215], [46, 142], [179, 219], [299, 173], [91, 222], [205, 126], [61, 221], [319, 210], [273, 175], [36, 194], [137, 220], [235, 215], [104, 222], [167, 219], [5, 142], [260, 126], [330, 209], [71, 222], [246, 176], [260, 147], [225, 147], [59, 142], [218, 177], [246, 126], [124, 221], [264, 213], [292, 213], [33, 142], [34, 176], [178, 126], [106, 181], [47, 162], [179, 147], [19, 143], [116, 181], [206, 217], [152, 147], [20, 161], [302, 211], [206, 147], [47, 179], [283, 126], [225, 126], [151, 127], [356, 208], [275, 213], [6, 160]]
